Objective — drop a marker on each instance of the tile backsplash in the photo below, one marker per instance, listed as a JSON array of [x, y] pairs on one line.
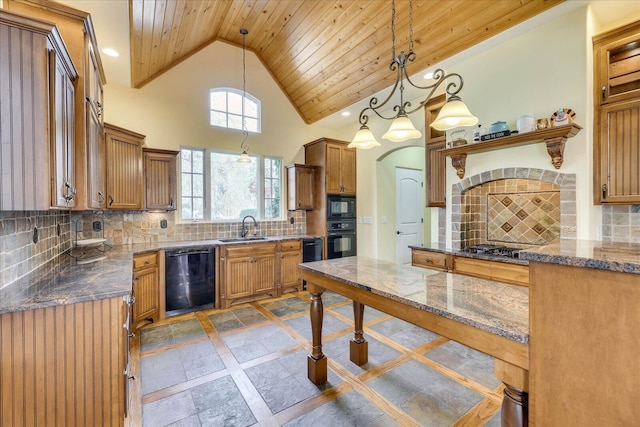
[[515, 212], [621, 223], [128, 227], [19, 254]]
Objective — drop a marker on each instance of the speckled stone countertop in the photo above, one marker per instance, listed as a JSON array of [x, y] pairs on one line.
[[442, 248], [611, 256], [65, 281], [494, 307]]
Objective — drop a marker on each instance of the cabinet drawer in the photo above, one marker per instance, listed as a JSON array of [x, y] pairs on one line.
[[429, 259], [290, 245], [145, 260], [499, 271], [253, 249]]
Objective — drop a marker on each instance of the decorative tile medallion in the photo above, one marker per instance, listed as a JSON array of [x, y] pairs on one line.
[[527, 218]]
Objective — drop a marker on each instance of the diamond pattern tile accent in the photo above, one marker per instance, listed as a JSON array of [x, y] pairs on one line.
[[523, 217]]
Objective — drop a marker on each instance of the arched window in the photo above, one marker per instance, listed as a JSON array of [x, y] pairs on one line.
[[228, 110]]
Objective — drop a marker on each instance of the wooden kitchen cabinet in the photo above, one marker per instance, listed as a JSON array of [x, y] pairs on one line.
[[76, 28], [124, 168], [146, 288], [290, 256], [247, 271], [340, 169], [61, 98], [616, 61], [160, 169], [96, 167], [65, 365], [430, 259], [36, 115], [300, 187], [435, 162]]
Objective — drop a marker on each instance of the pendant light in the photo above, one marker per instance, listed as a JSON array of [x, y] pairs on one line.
[[453, 114], [244, 157]]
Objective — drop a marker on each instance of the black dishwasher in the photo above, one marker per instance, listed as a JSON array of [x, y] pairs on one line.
[[311, 251], [190, 280]]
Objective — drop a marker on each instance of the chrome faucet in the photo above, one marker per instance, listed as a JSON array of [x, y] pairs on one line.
[[245, 231]]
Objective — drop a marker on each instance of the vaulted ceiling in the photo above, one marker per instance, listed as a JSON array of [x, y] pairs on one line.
[[325, 54]]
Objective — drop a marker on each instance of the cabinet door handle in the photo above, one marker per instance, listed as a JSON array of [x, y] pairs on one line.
[[111, 200], [171, 202], [100, 197], [604, 92], [136, 278], [604, 191], [299, 203]]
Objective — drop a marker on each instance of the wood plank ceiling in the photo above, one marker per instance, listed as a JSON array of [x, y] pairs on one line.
[[325, 55]]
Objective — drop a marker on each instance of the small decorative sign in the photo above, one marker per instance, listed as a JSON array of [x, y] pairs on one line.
[[495, 135]]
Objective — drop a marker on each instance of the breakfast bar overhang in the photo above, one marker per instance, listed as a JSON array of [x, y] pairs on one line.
[[490, 316]]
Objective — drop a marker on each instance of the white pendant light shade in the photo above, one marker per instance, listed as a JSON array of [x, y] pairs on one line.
[[402, 129], [244, 158], [364, 139], [454, 114]]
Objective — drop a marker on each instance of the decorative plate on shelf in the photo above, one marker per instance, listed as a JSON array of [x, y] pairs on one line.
[[563, 116]]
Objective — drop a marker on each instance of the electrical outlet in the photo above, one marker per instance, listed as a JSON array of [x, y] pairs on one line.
[[97, 226], [163, 223]]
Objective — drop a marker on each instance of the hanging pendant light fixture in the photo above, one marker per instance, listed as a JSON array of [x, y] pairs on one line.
[[244, 157], [453, 114]]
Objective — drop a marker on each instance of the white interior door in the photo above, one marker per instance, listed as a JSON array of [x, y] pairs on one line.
[[408, 212]]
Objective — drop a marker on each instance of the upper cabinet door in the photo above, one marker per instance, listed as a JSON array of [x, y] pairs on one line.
[[617, 64], [96, 154], [124, 168], [348, 170], [160, 179], [435, 163], [300, 191], [340, 169]]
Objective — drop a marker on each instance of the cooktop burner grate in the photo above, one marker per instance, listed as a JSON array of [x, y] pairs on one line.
[[487, 249]]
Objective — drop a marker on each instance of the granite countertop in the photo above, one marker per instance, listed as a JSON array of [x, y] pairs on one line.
[[442, 248], [611, 256], [491, 306], [65, 281]]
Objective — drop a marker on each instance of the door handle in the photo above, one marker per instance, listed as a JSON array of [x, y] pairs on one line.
[[398, 232], [111, 200]]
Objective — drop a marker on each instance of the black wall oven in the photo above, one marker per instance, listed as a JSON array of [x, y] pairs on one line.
[[341, 238], [340, 207]]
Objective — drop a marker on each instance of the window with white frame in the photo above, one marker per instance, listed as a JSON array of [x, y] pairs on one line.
[[215, 187], [229, 111]]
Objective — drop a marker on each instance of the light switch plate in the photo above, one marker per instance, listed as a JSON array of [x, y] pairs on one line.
[[384, 219], [367, 220]]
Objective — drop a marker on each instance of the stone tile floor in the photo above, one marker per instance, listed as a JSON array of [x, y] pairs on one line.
[[247, 366]]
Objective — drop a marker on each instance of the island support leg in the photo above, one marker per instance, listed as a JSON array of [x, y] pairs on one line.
[[358, 347], [515, 407], [515, 403], [316, 361]]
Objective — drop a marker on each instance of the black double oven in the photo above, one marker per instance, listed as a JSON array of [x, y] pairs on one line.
[[341, 226]]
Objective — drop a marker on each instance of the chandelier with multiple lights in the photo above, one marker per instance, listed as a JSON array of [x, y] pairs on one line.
[[244, 157], [453, 114]]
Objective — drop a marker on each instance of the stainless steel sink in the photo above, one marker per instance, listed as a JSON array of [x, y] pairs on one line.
[[242, 239]]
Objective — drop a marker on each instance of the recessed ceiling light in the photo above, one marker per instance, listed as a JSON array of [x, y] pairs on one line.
[[345, 113], [428, 76], [110, 52]]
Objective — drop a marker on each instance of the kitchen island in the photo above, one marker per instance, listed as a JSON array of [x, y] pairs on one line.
[[490, 316], [584, 340]]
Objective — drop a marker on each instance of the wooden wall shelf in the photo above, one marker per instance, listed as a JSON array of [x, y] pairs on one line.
[[554, 138]]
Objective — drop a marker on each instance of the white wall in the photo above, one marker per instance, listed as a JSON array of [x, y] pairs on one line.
[[173, 110]]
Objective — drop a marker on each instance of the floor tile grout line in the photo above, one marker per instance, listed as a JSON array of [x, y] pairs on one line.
[[308, 405], [478, 411], [250, 394], [173, 346], [367, 392], [183, 386], [270, 357]]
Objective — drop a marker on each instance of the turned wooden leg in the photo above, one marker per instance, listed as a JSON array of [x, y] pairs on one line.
[[316, 361], [358, 347], [515, 407]]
